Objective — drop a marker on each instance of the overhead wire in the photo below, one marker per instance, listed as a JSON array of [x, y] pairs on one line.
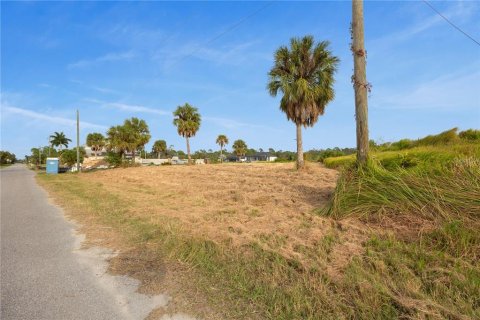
[[229, 29], [450, 22]]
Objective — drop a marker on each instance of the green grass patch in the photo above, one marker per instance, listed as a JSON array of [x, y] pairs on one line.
[[427, 157], [396, 279], [452, 193]]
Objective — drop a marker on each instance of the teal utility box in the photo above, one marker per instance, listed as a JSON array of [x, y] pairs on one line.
[[52, 165]]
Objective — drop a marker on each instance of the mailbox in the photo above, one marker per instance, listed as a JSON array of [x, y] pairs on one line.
[[52, 165]]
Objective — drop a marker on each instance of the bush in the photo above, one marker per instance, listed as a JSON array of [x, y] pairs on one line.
[[402, 144], [469, 134], [113, 159], [69, 157]]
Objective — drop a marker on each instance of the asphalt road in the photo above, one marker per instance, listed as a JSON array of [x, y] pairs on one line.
[[41, 277]]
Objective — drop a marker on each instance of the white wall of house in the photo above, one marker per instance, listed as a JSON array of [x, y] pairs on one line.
[[154, 161]]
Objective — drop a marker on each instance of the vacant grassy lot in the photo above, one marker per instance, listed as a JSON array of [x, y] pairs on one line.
[[255, 240]]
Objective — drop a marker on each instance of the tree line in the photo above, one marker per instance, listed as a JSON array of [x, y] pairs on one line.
[[303, 73]]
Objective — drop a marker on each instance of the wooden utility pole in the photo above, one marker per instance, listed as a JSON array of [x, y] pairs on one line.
[[78, 142], [360, 84]]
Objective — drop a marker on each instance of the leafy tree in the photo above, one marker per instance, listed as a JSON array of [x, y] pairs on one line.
[[159, 146], [222, 140], [96, 141], [58, 139], [187, 120], [7, 157], [239, 147], [40, 155], [69, 157], [303, 73]]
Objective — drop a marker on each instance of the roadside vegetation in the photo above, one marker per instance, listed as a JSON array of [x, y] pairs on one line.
[[397, 239], [7, 158]]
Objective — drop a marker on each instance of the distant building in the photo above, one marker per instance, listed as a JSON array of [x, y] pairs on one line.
[[258, 156], [90, 153], [261, 156]]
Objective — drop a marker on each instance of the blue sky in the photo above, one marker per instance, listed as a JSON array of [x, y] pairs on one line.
[[115, 60]]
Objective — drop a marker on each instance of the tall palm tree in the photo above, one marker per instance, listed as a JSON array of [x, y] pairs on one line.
[[222, 140], [58, 139], [159, 146], [304, 74], [187, 120], [239, 147], [96, 141]]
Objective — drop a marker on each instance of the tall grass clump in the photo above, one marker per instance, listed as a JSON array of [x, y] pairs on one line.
[[443, 138], [470, 134], [450, 193]]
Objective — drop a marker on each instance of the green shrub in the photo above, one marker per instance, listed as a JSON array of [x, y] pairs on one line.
[[401, 145], [69, 157], [113, 159], [469, 134]]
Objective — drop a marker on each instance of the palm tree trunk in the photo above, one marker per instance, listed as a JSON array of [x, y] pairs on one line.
[[188, 152], [221, 154], [158, 155], [133, 156], [300, 162]]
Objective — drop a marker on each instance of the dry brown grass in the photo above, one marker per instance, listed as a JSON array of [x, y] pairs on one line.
[[267, 203]]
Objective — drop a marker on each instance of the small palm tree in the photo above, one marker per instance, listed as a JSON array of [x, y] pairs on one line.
[[159, 146], [222, 140], [117, 137], [58, 139], [240, 148], [96, 141], [304, 74], [138, 135], [187, 120]]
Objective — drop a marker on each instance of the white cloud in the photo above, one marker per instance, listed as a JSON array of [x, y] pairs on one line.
[[6, 109], [46, 85], [129, 107], [235, 54], [105, 90], [109, 57]]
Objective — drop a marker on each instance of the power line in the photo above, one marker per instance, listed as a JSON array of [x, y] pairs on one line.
[[229, 29], [451, 23]]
